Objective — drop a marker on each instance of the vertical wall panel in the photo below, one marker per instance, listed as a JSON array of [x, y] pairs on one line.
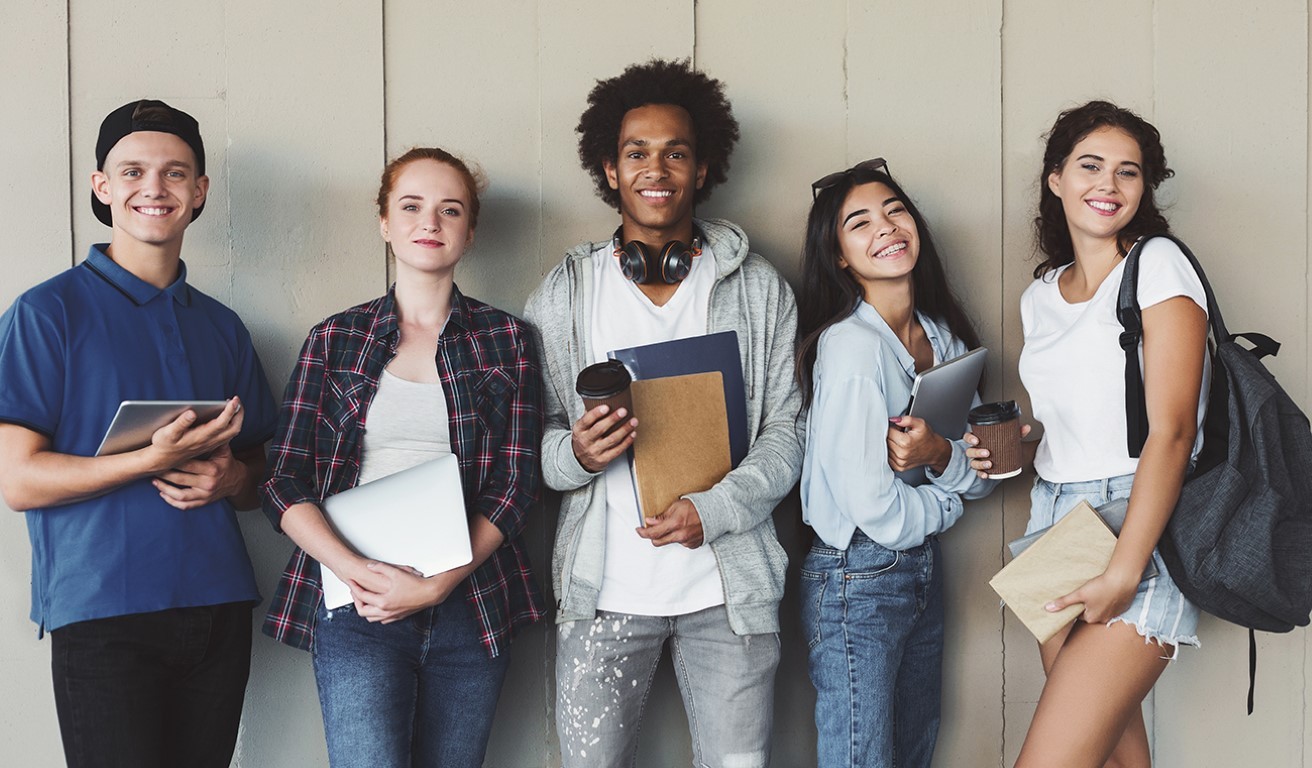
[[175, 53], [305, 146], [34, 215], [924, 87], [578, 45], [1236, 134], [1054, 56], [790, 106], [438, 63]]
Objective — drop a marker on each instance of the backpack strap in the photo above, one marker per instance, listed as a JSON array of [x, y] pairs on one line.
[[1131, 319]]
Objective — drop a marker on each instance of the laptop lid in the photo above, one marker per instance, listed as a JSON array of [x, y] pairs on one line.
[[414, 517]]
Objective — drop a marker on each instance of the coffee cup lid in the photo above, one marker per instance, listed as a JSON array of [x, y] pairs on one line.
[[603, 379], [994, 413]]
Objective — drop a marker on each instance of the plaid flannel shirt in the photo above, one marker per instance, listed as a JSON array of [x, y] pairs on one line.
[[490, 378]]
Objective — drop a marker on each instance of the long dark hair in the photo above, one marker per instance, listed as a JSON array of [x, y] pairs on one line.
[[829, 294], [1052, 233]]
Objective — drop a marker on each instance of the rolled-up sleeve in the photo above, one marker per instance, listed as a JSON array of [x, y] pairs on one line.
[[849, 474], [292, 457], [515, 484]]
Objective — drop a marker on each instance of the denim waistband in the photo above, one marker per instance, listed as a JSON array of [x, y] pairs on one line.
[[859, 538], [1103, 486]]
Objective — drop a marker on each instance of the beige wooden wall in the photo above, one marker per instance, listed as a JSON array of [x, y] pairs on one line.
[[300, 101]]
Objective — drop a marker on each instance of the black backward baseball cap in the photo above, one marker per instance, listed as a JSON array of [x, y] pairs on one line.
[[145, 115]]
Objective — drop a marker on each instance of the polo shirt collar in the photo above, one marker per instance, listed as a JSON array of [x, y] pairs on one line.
[[933, 332], [136, 289]]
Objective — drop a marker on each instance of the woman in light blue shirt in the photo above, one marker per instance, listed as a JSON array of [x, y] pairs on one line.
[[874, 309]]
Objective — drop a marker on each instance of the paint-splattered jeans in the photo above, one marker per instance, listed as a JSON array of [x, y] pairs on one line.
[[604, 670]]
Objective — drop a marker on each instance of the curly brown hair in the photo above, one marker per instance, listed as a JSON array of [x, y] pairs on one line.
[[657, 82], [1052, 233]]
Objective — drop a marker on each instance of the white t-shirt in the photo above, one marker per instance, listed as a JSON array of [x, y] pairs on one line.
[[408, 425], [639, 578], [1073, 367]]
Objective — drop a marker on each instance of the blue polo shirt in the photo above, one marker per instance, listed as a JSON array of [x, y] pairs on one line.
[[72, 349]]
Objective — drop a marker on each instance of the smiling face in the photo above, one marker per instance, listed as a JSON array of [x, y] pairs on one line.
[[427, 221], [1100, 185], [877, 236], [150, 184], [657, 174]]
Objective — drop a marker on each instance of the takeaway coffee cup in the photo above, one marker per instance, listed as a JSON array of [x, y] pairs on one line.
[[605, 383], [997, 425]]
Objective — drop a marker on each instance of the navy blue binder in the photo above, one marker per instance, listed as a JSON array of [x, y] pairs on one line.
[[698, 354]]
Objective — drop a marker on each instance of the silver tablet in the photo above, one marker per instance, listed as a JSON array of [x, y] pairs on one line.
[[942, 396], [137, 420]]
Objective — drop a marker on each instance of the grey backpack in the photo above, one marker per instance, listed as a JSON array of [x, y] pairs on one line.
[[1239, 544]]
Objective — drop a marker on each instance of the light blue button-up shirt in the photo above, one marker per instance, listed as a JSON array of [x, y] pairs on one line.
[[863, 376]]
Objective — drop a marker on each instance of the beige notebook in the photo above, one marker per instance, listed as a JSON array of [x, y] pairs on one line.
[[1076, 549], [683, 438]]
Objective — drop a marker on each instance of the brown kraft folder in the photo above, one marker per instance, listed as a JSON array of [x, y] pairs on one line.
[[683, 438], [1076, 549]]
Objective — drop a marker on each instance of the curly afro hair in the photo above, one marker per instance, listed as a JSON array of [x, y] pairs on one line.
[[657, 82]]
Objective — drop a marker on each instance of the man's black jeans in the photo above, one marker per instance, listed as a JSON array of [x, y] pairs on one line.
[[152, 690]]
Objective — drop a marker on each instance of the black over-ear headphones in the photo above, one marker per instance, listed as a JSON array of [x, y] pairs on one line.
[[670, 266]]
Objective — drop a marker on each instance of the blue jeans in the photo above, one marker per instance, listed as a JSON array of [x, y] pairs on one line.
[[873, 619], [152, 690], [418, 692], [604, 670], [1160, 613]]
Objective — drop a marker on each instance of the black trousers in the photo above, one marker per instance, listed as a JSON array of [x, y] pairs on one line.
[[152, 690]]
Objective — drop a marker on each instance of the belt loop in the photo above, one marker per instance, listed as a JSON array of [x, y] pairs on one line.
[[1106, 489]]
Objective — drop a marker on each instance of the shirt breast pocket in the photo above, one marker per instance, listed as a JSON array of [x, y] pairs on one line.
[[494, 391], [339, 409]]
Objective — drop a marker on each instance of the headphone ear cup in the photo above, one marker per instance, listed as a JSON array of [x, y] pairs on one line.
[[633, 261], [676, 261]]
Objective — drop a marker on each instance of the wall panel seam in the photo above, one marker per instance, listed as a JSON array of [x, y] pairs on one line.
[[1002, 344], [68, 123]]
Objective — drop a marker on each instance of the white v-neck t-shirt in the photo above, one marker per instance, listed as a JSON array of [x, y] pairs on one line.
[[639, 578], [1073, 367]]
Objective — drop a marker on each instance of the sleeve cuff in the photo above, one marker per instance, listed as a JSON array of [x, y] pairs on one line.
[[957, 474]]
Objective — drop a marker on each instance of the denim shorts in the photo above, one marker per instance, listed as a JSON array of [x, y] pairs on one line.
[[1160, 613]]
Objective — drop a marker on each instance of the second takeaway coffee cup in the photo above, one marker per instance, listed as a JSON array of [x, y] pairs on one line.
[[605, 383], [997, 425]]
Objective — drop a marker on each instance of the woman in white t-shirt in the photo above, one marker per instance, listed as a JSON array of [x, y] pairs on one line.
[[1100, 170]]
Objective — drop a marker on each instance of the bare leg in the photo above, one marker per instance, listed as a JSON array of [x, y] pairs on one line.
[[1087, 716]]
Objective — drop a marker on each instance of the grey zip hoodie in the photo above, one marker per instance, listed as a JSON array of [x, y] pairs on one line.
[[749, 297]]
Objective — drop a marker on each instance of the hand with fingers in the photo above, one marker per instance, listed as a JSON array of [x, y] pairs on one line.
[[198, 482], [1104, 597], [389, 593], [913, 443], [979, 457], [183, 439], [599, 437], [681, 524]]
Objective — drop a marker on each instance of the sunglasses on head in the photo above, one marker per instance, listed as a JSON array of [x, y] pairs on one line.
[[825, 182]]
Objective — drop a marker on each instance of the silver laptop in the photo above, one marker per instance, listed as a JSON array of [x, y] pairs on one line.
[[942, 396], [415, 517]]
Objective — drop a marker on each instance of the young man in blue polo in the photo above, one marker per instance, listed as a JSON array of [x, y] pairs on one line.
[[139, 570]]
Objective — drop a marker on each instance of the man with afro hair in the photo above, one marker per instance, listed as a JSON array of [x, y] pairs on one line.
[[707, 573]]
